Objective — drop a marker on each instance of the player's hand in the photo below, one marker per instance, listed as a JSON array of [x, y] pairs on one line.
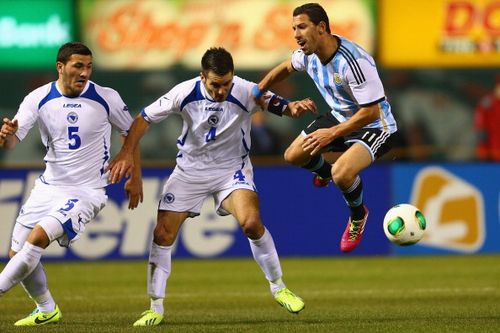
[[299, 108], [317, 140], [133, 190], [9, 128], [121, 166], [260, 97]]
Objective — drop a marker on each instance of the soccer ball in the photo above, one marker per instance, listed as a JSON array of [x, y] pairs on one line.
[[404, 224]]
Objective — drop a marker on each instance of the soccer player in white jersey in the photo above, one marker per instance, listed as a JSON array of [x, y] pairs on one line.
[[360, 123], [74, 116], [213, 161]]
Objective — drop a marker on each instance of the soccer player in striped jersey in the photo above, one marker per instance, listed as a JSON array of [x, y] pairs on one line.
[[213, 161], [74, 116], [360, 123]]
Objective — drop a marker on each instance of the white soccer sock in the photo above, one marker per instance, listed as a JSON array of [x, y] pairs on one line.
[[265, 254], [36, 287], [20, 266], [158, 272]]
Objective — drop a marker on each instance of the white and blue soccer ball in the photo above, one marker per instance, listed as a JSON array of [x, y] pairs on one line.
[[404, 224]]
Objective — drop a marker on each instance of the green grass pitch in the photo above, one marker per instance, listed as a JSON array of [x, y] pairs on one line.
[[342, 294]]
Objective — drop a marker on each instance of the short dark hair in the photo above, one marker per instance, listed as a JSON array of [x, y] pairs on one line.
[[315, 12], [218, 60], [68, 49]]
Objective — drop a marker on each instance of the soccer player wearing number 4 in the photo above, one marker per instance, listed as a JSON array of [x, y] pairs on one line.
[[360, 124], [213, 161], [75, 117]]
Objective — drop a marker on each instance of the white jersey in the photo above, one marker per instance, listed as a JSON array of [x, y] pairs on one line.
[[76, 131], [347, 82], [215, 135]]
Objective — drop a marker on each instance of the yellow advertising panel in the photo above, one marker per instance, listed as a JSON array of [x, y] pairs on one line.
[[444, 33], [152, 34]]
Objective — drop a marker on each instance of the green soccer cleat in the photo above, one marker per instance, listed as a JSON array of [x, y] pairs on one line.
[[37, 318], [288, 300], [149, 318]]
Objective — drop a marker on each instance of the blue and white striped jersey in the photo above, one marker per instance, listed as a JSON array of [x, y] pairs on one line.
[[215, 135], [348, 82], [76, 131]]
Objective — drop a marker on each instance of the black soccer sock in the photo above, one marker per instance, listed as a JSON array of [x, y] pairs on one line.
[[319, 166], [354, 198]]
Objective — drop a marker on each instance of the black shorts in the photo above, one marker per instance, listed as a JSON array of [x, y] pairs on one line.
[[378, 142]]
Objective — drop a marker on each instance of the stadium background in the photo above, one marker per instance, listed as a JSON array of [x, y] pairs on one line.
[[436, 60]]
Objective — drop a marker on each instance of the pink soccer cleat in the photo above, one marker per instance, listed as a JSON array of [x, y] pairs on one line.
[[353, 232], [321, 182]]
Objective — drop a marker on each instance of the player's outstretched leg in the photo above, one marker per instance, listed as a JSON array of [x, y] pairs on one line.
[[159, 269], [265, 254], [287, 299], [37, 318]]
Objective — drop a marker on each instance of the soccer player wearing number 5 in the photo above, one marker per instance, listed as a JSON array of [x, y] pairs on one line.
[[75, 117], [360, 123], [213, 161]]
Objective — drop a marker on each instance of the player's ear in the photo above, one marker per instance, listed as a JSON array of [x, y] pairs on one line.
[[59, 66], [202, 76], [322, 27]]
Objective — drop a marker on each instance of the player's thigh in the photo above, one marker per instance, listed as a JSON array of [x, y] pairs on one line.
[[242, 204], [351, 163]]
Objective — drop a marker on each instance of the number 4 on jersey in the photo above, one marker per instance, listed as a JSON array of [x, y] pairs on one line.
[[211, 134], [238, 175]]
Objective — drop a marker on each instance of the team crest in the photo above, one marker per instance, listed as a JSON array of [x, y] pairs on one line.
[[337, 79], [72, 117], [213, 120], [169, 198]]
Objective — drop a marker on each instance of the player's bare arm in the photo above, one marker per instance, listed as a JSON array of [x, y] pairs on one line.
[[298, 108], [277, 74], [133, 185], [316, 141], [123, 163], [8, 140]]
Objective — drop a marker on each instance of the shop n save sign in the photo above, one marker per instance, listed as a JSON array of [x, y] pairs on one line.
[[151, 34]]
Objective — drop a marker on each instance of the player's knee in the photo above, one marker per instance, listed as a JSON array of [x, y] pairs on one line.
[[294, 157], [252, 227], [163, 236], [40, 236], [342, 175], [288, 156]]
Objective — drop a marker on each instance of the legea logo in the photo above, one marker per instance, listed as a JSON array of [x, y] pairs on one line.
[[453, 208]]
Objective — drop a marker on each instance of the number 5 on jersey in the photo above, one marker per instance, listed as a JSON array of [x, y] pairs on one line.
[[75, 141]]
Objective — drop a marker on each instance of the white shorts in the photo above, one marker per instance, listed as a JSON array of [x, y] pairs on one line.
[[183, 193], [73, 207]]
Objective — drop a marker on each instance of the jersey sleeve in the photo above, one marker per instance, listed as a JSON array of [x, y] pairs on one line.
[[365, 83], [119, 114], [299, 61], [26, 116], [164, 106]]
